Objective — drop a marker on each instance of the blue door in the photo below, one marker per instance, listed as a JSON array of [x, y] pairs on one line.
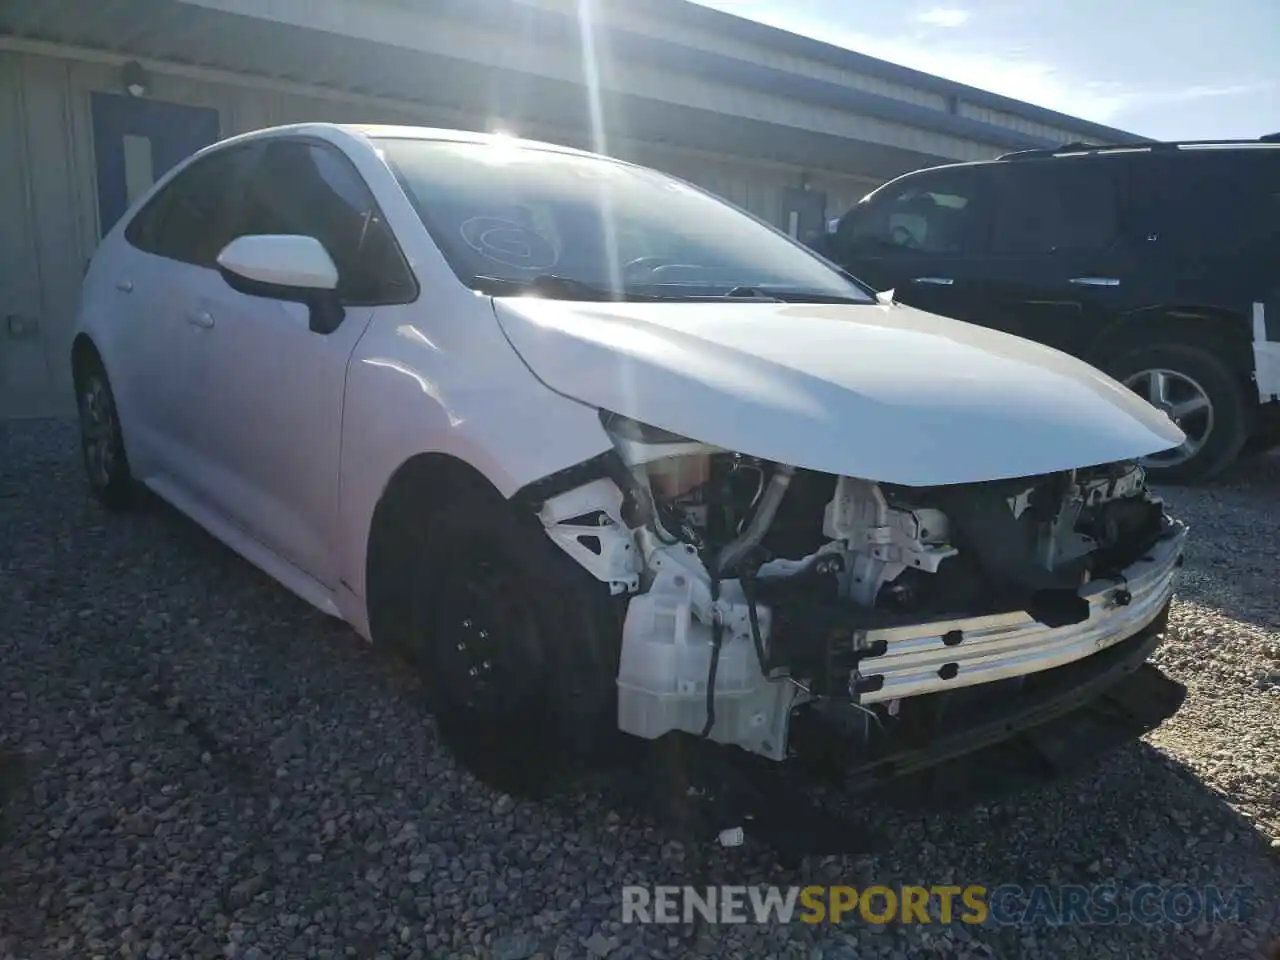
[[136, 141]]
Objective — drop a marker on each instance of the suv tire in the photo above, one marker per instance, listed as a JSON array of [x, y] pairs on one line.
[[1221, 428]]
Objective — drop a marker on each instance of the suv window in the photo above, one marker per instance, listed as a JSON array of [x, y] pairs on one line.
[[190, 218], [1214, 203], [310, 189], [935, 213], [1054, 205]]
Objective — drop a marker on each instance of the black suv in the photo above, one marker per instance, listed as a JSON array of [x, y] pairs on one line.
[[1158, 263]]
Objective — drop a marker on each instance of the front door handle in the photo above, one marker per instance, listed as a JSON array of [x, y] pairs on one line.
[[200, 318], [934, 281], [124, 286], [1095, 281]]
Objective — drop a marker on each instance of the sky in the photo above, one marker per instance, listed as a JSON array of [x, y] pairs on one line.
[[1165, 70]]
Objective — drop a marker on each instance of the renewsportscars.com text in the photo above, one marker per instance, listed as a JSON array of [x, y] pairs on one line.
[[1008, 904]]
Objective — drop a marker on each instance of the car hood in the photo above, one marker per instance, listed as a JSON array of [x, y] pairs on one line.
[[878, 391]]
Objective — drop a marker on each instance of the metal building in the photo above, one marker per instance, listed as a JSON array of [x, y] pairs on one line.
[[99, 97]]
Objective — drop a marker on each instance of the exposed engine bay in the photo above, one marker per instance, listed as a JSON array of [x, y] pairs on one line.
[[756, 588]]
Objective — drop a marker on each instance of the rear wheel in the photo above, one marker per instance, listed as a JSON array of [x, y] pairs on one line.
[[1202, 394], [517, 646], [101, 440]]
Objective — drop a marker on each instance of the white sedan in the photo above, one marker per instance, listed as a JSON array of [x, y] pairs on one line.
[[603, 454]]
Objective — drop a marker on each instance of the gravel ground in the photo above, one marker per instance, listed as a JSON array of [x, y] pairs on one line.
[[213, 769]]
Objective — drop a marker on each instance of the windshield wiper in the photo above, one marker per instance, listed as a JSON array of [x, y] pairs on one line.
[[750, 293], [558, 287], [555, 286], [789, 296]]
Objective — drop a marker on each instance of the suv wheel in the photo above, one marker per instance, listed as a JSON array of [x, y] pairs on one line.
[[1202, 394]]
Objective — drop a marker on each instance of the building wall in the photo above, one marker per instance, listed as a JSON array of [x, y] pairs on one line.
[[48, 198]]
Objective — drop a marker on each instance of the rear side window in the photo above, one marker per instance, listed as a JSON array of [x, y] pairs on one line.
[[311, 189], [931, 213], [190, 218], [1053, 205]]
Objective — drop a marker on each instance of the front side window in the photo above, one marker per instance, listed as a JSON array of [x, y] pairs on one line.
[[508, 214], [189, 219], [942, 213], [309, 189]]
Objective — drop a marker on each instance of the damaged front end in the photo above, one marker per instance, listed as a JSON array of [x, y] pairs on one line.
[[773, 608]]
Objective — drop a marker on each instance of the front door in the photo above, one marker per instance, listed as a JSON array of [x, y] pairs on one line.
[[920, 238], [136, 141], [1059, 262]]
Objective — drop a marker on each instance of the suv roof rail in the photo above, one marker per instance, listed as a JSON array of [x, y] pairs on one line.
[[1077, 146]]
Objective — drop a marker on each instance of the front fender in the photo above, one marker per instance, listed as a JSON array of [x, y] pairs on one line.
[[456, 389]]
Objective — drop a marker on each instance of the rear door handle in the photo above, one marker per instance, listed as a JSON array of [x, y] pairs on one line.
[[124, 286], [1095, 281], [934, 281], [200, 318]]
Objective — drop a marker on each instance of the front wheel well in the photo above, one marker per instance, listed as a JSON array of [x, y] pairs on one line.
[[1209, 391], [1221, 332], [423, 483]]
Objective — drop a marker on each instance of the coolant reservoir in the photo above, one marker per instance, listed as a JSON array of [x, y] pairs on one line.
[[666, 656]]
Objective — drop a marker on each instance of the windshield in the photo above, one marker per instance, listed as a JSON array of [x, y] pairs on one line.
[[509, 216]]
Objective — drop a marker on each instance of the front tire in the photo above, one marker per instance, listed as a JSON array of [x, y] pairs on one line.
[[1203, 394], [517, 645], [102, 440]]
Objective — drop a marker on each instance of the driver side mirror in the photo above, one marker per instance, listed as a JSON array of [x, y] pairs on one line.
[[295, 269]]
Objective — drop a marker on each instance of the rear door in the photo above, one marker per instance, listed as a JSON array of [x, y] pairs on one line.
[[196, 224], [169, 245], [137, 341], [1060, 263], [921, 236], [1216, 213]]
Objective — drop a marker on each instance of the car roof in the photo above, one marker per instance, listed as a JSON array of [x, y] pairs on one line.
[[366, 133], [377, 131], [1083, 150]]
